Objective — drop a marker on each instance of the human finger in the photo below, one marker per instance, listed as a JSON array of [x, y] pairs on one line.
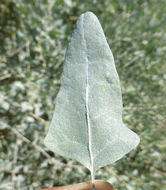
[[99, 185]]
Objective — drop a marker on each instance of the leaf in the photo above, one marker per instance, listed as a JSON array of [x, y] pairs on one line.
[[87, 123]]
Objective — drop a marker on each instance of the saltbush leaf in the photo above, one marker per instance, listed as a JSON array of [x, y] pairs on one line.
[[87, 123]]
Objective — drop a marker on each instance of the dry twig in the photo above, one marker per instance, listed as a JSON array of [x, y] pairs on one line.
[[28, 141], [5, 77], [19, 105], [42, 151], [14, 162]]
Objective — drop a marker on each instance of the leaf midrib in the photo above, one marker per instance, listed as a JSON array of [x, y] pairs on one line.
[[87, 102]]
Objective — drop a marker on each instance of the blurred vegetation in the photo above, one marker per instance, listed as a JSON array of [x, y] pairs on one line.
[[33, 38]]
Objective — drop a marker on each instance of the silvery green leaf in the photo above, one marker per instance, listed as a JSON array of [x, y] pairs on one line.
[[87, 123]]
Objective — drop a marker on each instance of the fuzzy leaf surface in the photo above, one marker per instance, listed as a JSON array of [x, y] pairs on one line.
[[87, 123]]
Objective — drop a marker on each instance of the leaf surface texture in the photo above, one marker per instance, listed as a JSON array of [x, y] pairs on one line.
[[87, 123]]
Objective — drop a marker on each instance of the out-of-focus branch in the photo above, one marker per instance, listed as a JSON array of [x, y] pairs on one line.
[[19, 105], [42, 151], [16, 51], [5, 77], [28, 141], [14, 162], [111, 171]]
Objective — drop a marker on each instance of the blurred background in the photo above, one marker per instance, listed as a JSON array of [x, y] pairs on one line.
[[33, 39]]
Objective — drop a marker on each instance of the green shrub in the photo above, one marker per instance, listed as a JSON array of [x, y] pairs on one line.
[[33, 36]]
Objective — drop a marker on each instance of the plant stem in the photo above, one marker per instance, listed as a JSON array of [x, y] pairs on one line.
[[93, 179]]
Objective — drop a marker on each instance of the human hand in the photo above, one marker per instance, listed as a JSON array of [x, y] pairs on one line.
[[99, 185]]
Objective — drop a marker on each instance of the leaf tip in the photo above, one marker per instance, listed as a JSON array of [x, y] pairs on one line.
[[88, 15]]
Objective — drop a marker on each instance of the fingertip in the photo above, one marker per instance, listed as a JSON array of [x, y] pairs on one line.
[[103, 185]]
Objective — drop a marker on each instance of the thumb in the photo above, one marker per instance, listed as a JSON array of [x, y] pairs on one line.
[[99, 185]]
